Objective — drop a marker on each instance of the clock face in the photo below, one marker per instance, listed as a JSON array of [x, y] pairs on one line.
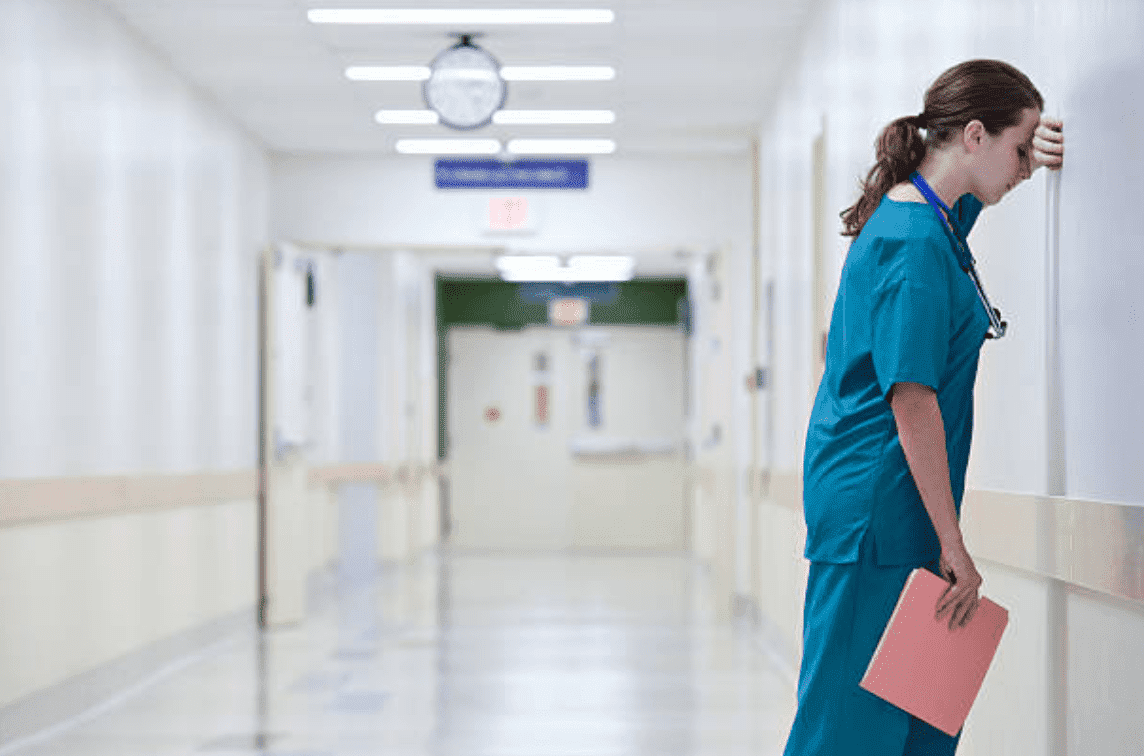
[[465, 87]]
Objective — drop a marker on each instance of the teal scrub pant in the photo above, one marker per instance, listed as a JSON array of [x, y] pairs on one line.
[[847, 608]]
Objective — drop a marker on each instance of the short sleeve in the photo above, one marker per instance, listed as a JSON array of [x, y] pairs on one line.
[[965, 212], [910, 315]]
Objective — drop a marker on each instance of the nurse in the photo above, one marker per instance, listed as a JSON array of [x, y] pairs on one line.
[[888, 440]]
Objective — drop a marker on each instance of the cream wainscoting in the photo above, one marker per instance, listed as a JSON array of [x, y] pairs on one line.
[[1070, 573], [105, 579], [97, 571]]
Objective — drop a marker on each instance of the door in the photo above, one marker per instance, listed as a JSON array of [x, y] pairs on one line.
[[284, 341], [566, 439], [627, 448], [508, 467]]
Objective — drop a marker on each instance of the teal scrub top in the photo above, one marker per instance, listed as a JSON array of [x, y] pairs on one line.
[[905, 311]]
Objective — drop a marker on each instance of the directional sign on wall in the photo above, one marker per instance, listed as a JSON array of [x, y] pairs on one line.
[[451, 173]]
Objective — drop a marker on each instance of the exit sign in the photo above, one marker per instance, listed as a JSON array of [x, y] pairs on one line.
[[569, 311], [508, 213]]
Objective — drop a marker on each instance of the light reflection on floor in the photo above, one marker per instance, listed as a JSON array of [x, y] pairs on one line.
[[473, 655]]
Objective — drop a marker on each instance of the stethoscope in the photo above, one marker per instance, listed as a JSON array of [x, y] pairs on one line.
[[964, 258]]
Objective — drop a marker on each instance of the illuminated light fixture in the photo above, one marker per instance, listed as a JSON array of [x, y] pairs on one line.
[[558, 73], [561, 146], [579, 268], [387, 73], [563, 117], [407, 117], [459, 17], [448, 146], [508, 73]]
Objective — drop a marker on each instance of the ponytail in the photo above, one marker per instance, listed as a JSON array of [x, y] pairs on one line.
[[899, 151]]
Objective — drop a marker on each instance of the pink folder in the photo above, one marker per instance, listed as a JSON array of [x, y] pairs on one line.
[[923, 667]]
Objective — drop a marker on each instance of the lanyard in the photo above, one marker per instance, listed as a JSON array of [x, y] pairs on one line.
[[961, 249]]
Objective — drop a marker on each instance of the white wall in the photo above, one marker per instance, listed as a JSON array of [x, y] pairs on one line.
[[864, 64], [631, 203], [131, 214]]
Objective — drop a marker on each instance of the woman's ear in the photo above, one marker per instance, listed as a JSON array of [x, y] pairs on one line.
[[973, 134]]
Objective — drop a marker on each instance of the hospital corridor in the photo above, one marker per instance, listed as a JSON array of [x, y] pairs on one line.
[[457, 378]]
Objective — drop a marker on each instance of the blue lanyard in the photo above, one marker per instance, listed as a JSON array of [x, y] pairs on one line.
[[960, 245], [961, 249]]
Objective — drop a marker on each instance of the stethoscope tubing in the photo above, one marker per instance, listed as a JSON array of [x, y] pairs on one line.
[[965, 258]]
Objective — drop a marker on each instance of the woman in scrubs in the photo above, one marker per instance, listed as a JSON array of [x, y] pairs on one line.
[[889, 434]]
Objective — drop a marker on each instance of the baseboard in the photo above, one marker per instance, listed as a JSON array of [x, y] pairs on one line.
[[73, 697]]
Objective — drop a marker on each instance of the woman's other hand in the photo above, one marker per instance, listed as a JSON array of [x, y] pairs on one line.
[[1049, 143], [961, 597]]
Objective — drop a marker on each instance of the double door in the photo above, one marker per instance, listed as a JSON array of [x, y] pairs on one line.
[[566, 438]]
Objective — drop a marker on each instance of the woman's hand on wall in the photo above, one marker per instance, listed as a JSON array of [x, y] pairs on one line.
[[1049, 143]]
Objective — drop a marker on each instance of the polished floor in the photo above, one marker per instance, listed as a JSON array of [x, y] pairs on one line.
[[472, 655]]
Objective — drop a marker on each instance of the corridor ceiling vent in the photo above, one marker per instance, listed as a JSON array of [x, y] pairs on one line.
[[460, 16], [580, 268]]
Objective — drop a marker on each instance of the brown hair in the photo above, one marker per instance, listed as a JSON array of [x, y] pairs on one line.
[[989, 91]]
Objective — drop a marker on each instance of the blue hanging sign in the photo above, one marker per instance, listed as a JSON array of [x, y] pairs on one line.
[[604, 292], [522, 174]]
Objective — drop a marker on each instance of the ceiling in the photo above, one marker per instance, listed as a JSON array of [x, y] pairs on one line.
[[693, 76]]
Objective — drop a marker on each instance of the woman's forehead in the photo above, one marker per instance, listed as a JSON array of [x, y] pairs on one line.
[[1029, 120]]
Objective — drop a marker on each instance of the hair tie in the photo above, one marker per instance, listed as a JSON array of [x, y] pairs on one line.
[[919, 120]]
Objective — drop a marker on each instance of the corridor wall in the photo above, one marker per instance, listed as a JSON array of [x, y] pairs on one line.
[[131, 215], [864, 64]]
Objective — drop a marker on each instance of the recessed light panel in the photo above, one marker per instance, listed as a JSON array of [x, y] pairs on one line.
[[407, 117], [579, 268], [508, 73], [558, 73], [560, 117], [387, 73], [561, 146], [448, 146], [463, 17]]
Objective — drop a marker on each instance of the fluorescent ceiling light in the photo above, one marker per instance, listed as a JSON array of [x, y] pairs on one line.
[[579, 268], [508, 73], [407, 117], [528, 268], [387, 73], [561, 146], [558, 73], [448, 146], [463, 17], [529, 117], [505, 117], [600, 268]]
